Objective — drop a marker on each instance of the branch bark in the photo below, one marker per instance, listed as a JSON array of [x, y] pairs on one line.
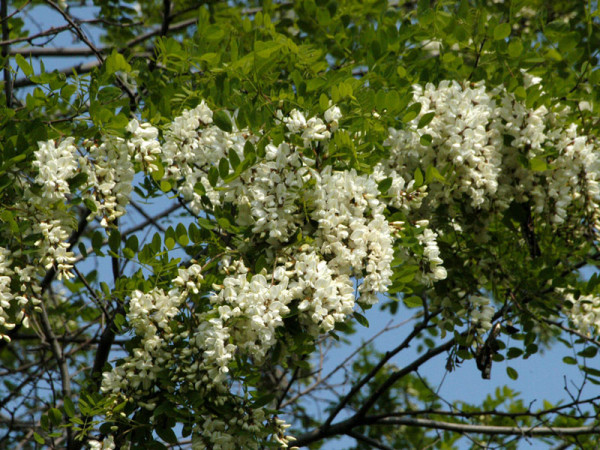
[[88, 67], [57, 350], [489, 430], [6, 52]]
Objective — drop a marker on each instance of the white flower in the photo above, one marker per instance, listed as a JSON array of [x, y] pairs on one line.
[[144, 145], [107, 443], [56, 165], [584, 313]]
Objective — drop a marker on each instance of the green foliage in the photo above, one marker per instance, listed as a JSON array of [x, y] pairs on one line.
[[249, 60]]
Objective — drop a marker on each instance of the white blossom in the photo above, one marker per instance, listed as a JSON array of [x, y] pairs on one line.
[[56, 165]]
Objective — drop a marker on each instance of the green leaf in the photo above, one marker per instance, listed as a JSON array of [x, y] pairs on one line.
[[167, 435], [393, 101], [116, 63], [234, 159], [569, 360], [249, 149], [90, 204], [182, 236], [425, 119], [8, 216], [24, 65], [515, 48], [69, 407], [432, 173], [413, 301], [302, 364], [502, 31], [591, 371], [412, 112], [418, 177], [512, 373], [514, 352], [361, 319], [132, 243], [165, 185], [77, 181], [169, 243], [223, 168], [97, 240], [38, 438], [114, 240], [213, 176], [384, 185], [67, 91], [588, 352], [323, 102], [55, 416], [263, 400], [222, 120], [260, 264], [538, 164], [12, 161], [159, 174], [205, 223], [426, 139]]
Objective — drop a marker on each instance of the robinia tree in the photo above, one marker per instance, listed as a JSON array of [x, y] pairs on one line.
[[200, 200]]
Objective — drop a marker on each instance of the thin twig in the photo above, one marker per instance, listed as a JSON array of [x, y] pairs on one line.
[[61, 361]]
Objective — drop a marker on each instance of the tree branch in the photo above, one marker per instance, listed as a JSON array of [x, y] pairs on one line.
[[6, 52], [388, 355], [373, 443], [346, 427], [47, 280], [88, 67], [490, 430], [61, 361]]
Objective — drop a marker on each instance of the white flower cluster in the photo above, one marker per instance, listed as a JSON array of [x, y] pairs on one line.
[[108, 443], [343, 248], [149, 314], [574, 180], [353, 233], [461, 139], [190, 150], [477, 310], [584, 313], [431, 254], [54, 248], [55, 166], [401, 194], [481, 313], [13, 304], [6, 295], [218, 433], [110, 176], [143, 144], [281, 194], [110, 169], [494, 150]]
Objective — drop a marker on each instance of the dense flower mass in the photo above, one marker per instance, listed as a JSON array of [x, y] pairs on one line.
[[6, 296], [325, 235], [110, 169], [494, 151], [56, 165]]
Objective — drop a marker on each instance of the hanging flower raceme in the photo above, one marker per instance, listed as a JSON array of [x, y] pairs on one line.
[[323, 233]]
